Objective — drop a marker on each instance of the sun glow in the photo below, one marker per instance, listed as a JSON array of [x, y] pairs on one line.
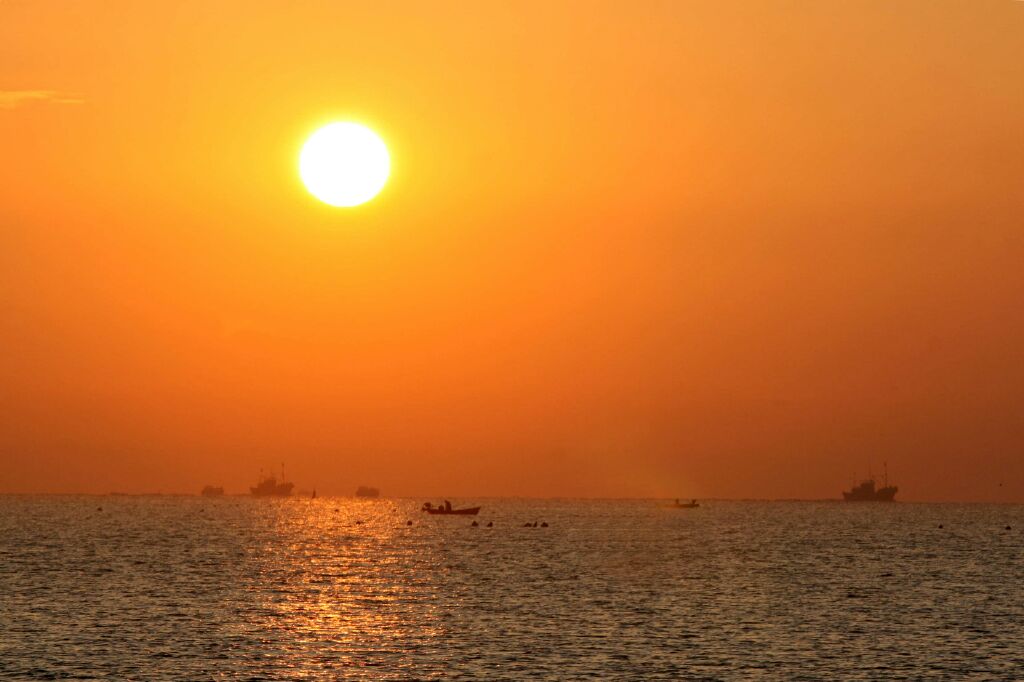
[[344, 164]]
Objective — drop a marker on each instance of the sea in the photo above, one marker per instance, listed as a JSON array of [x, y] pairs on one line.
[[235, 588]]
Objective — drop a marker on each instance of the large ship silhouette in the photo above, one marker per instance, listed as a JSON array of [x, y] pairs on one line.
[[866, 491], [269, 486]]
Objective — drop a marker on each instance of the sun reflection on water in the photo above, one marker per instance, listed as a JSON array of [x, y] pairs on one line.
[[348, 577]]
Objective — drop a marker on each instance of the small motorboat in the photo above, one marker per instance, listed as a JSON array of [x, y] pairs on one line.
[[683, 505], [446, 508]]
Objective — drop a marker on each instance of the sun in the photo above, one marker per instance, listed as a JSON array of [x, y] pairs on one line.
[[344, 164]]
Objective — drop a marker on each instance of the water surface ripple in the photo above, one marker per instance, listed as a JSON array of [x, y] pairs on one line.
[[178, 588]]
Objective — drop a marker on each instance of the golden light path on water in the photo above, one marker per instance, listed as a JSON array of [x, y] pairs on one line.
[[363, 587]]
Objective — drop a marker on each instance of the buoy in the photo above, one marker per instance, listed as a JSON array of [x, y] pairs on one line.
[[1008, 528], [490, 524], [408, 523], [474, 524], [527, 525], [940, 525], [544, 525], [99, 508]]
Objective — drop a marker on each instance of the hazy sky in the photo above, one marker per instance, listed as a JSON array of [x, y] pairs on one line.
[[628, 248]]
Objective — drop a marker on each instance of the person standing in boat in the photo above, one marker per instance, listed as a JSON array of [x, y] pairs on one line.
[[447, 506]]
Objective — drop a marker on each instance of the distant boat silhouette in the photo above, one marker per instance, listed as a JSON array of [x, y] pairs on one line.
[[446, 508], [683, 505], [269, 486], [866, 491], [367, 491], [212, 491]]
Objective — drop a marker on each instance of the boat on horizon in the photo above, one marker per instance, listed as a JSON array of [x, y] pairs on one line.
[[865, 491], [446, 508], [683, 505], [367, 491], [212, 491], [269, 486]]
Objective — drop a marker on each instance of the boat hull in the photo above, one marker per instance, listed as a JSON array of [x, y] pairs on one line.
[[883, 495], [471, 511]]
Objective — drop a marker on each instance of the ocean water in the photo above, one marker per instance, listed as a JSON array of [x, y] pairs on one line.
[[178, 588]]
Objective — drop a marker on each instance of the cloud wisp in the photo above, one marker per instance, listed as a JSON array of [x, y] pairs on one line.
[[12, 99]]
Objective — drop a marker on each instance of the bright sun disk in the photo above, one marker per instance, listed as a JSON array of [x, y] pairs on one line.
[[344, 164]]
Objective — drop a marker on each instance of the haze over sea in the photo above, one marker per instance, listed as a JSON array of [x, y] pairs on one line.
[[153, 588]]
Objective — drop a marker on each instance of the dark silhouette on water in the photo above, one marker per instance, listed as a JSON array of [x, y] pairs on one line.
[[683, 505], [446, 508], [866, 491], [367, 491], [270, 487], [212, 491]]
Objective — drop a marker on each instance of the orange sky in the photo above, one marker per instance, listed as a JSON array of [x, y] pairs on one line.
[[628, 248]]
